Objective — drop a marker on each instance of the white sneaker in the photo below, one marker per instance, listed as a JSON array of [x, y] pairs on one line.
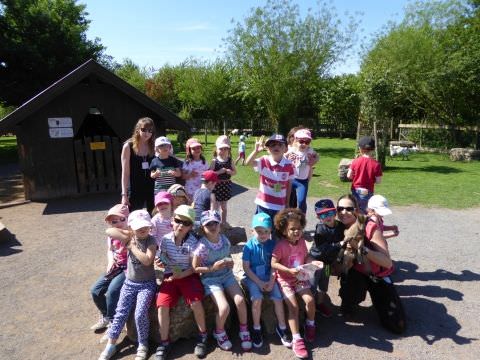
[[109, 351], [102, 323], [222, 340], [246, 341]]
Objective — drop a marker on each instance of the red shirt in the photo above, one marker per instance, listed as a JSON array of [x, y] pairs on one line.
[[365, 170]]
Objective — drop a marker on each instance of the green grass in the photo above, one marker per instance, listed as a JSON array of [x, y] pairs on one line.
[[8, 149]]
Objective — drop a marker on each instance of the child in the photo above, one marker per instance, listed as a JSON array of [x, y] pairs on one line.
[[364, 172], [224, 167], [288, 255], [204, 199], [241, 150], [193, 167], [180, 280], [303, 158], [276, 175], [212, 259], [164, 168], [377, 208], [179, 194], [260, 279], [106, 290], [139, 286]]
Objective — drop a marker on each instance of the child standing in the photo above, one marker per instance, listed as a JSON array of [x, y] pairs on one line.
[[106, 290], [260, 278], [139, 287], [364, 172], [303, 158], [224, 167], [276, 175], [377, 208], [164, 168], [193, 167], [212, 259], [180, 280], [204, 199], [289, 254], [241, 150]]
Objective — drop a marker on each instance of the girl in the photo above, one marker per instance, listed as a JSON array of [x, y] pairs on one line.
[[212, 259], [224, 167], [164, 168], [303, 158], [137, 153], [374, 277], [139, 286], [179, 194], [194, 166], [288, 255]]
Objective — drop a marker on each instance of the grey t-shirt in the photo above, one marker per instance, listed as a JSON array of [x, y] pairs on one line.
[[136, 271]]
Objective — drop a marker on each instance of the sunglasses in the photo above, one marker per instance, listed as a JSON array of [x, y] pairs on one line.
[[182, 222], [146, 130], [327, 214], [211, 223], [115, 222], [346, 208], [304, 141]]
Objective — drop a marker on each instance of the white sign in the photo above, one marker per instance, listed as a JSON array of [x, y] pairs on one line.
[[61, 132], [60, 122]]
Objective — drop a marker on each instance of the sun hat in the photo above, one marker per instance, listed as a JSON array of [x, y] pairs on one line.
[[380, 204], [139, 219], [162, 140], [209, 175], [163, 197], [323, 206], [186, 212], [222, 142], [303, 134], [366, 142], [261, 220], [192, 142], [276, 138], [209, 216], [177, 190], [119, 210], [242, 137]]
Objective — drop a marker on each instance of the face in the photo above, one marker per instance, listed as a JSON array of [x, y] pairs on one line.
[[211, 228], [328, 218], [276, 149], [196, 151], [163, 207], [163, 149], [223, 152], [262, 233], [302, 143], [116, 221], [142, 233], [181, 225], [179, 200], [145, 131], [346, 211], [293, 231]]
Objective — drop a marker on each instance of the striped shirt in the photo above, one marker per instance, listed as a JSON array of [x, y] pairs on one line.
[[177, 258], [274, 180], [161, 227]]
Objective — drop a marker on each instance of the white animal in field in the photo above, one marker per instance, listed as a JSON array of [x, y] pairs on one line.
[[234, 132], [403, 151]]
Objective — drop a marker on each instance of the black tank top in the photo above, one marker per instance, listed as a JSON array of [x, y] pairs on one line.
[[140, 179]]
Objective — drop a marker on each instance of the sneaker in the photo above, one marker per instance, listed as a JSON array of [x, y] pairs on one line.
[[324, 310], [201, 346], [142, 352], [162, 351], [257, 339], [109, 351], [246, 340], [284, 336], [222, 340], [102, 323], [299, 349], [310, 333]]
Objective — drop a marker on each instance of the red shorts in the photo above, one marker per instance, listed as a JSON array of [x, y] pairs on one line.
[[189, 287], [241, 155]]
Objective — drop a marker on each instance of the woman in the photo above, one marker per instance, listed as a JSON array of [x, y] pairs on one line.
[[137, 153], [373, 275]]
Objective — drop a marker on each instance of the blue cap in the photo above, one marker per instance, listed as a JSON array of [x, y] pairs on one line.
[[263, 220], [209, 216], [324, 205]]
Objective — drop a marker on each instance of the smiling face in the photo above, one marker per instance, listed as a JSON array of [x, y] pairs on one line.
[[276, 149], [347, 213], [196, 151], [302, 144], [293, 231], [262, 233]]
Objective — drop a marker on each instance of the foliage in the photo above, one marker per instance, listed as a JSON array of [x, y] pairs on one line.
[[133, 74]]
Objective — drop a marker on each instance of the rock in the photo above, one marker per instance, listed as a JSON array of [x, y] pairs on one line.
[[343, 169], [464, 154], [236, 234]]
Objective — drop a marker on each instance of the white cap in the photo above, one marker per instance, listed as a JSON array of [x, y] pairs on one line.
[[162, 140], [139, 219], [379, 204]]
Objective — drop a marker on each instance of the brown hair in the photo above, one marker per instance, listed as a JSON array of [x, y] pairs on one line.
[[353, 199], [135, 139], [282, 218], [291, 133]]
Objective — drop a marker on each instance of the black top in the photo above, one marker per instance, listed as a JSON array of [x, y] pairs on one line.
[[326, 241], [223, 165], [140, 180]]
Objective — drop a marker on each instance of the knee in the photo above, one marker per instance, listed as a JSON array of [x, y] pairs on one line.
[[224, 310], [257, 304]]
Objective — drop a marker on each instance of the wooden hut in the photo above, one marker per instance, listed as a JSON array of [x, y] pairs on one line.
[[70, 135]]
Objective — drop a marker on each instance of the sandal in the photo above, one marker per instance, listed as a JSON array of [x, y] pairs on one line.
[[142, 352]]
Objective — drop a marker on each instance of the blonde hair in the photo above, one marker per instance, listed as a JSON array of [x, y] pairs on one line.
[[135, 139]]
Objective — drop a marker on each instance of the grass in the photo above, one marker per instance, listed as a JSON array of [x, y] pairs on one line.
[[425, 179]]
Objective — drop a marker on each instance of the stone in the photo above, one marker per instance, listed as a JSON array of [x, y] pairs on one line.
[[464, 154], [343, 169]]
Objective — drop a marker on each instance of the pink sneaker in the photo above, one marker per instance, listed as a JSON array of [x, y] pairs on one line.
[[299, 349], [246, 341], [310, 333], [222, 340]]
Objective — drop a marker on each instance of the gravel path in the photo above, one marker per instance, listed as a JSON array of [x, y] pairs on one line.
[[59, 250]]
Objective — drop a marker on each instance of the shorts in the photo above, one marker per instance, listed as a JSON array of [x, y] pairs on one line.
[[256, 293], [241, 155], [189, 287], [218, 283], [290, 288]]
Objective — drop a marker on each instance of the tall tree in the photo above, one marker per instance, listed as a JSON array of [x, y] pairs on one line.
[[40, 41]]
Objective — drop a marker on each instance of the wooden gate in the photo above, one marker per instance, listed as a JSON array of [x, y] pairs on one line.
[[98, 167]]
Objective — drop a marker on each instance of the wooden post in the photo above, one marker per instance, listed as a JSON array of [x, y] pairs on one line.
[[376, 138]]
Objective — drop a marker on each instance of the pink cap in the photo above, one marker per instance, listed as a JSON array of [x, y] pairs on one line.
[[192, 142], [119, 210], [163, 197], [303, 134]]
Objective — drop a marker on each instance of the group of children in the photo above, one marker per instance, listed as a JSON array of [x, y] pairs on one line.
[[186, 244]]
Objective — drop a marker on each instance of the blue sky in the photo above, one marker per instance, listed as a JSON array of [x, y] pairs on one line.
[[155, 32]]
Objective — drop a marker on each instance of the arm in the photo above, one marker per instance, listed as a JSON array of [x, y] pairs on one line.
[[350, 174], [232, 171], [123, 235], [379, 255], [259, 146], [378, 179], [146, 258], [213, 202], [277, 266], [125, 160], [252, 275], [289, 192], [199, 268], [110, 259]]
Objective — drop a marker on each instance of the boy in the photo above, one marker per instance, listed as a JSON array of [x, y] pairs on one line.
[[276, 175], [377, 209], [241, 150], [164, 168], [364, 172], [259, 278], [204, 199]]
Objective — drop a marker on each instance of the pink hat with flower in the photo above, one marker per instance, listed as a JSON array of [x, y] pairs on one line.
[[303, 134]]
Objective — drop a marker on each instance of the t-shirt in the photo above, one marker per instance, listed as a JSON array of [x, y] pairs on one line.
[[326, 241], [209, 253], [259, 255], [241, 147], [177, 258], [119, 251], [274, 180], [302, 161], [165, 180], [193, 184], [291, 256], [201, 202], [136, 271], [161, 227], [365, 170]]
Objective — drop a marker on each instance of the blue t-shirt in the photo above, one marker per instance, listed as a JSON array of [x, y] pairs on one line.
[[260, 257]]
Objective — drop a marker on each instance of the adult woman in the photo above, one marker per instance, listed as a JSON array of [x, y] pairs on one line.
[[137, 153], [372, 275]]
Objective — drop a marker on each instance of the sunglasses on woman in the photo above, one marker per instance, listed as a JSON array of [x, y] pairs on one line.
[[304, 141], [327, 214], [182, 222], [346, 208], [146, 130], [115, 222]]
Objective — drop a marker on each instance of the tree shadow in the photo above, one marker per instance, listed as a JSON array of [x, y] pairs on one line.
[[92, 202], [406, 270], [431, 169], [7, 243], [238, 189]]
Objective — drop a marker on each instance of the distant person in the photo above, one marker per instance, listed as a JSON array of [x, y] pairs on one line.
[[241, 150], [378, 208], [137, 153], [364, 172], [193, 166], [204, 199], [164, 168]]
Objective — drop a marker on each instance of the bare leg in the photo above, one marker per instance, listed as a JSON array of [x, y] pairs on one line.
[[236, 294], [292, 305], [199, 314], [220, 300], [164, 322], [279, 312]]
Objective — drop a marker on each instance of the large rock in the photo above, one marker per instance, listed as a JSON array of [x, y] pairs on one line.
[[464, 154], [343, 169]]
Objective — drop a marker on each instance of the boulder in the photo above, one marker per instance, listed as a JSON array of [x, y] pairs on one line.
[[464, 154], [343, 169]]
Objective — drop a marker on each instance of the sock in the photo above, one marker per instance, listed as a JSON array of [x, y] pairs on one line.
[[202, 333], [219, 331], [243, 327], [257, 327], [310, 322], [282, 327], [296, 336]]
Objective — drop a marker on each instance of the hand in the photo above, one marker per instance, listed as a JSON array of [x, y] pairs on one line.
[[294, 271], [395, 230], [171, 172], [268, 286], [109, 267], [219, 264], [131, 243], [158, 262], [228, 171], [193, 174], [260, 144]]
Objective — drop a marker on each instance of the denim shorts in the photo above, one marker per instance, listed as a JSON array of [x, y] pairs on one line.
[[218, 283], [256, 293]]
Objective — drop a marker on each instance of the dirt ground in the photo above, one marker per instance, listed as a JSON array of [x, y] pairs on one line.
[[56, 250]]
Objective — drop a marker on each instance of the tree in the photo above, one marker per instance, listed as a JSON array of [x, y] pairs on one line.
[[40, 41], [133, 74]]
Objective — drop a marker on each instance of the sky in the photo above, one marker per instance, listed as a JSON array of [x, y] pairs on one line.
[[153, 33]]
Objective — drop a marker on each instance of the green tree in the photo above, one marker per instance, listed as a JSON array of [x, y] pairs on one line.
[[133, 74], [40, 41]]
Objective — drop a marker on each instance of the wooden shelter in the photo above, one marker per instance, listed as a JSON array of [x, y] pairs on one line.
[[70, 135]]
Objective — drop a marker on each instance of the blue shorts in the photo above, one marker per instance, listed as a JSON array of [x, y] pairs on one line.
[[256, 293], [218, 283]]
